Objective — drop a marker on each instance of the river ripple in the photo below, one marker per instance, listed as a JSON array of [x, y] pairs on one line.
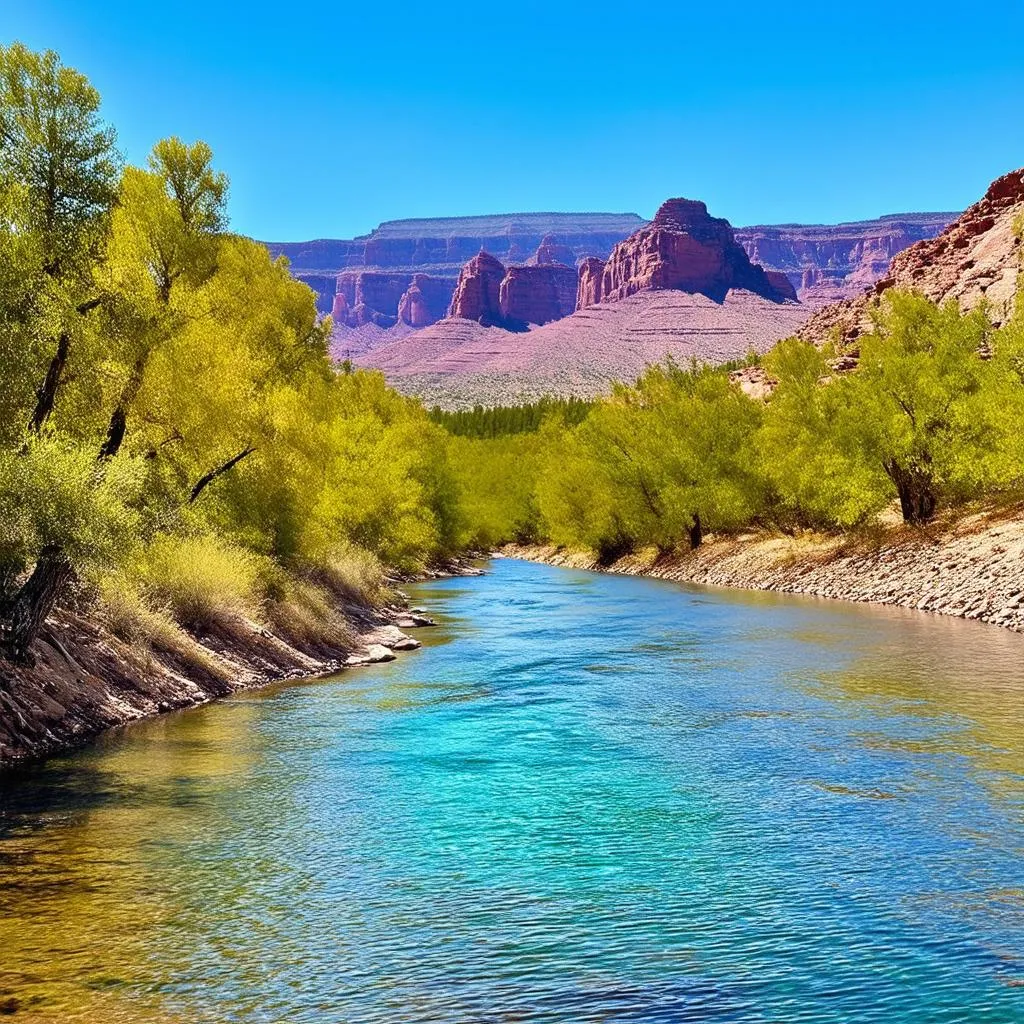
[[588, 798]]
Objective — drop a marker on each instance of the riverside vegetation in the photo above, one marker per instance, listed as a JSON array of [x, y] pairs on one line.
[[176, 447], [175, 444], [930, 417]]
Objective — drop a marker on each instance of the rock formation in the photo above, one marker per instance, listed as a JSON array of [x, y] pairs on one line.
[[551, 250], [478, 291], [513, 297], [439, 247], [588, 290], [826, 263], [538, 294], [425, 301], [977, 257], [686, 249], [371, 297], [782, 285]]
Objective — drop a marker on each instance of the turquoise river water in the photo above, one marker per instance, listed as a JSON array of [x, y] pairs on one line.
[[588, 798]]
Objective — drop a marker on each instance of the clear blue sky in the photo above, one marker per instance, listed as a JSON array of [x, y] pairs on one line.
[[330, 117]]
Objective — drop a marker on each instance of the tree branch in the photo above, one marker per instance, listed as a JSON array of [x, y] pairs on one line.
[[203, 481]]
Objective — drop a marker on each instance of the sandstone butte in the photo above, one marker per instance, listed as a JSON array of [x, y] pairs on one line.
[[680, 287], [514, 297], [686, 249], [976, 258], [411, 267]]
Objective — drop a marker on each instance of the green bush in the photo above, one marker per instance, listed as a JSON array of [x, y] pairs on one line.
[[203, 580]]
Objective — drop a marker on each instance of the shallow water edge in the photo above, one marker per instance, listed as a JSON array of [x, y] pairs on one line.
[[971, 568]]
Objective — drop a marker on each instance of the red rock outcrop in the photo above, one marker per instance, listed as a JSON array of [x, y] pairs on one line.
[[551, 250], [824, 262], [425, 301], [686, 249], [513, 297], [369, 297], [537, 294], [829, 262], [588, 288], [478, 290], [782, 285], [978, 257]]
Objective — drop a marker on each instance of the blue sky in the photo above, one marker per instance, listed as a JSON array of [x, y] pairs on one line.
[[330, 117]]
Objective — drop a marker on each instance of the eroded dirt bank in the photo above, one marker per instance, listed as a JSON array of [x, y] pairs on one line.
[[972, 568], [85, 680]]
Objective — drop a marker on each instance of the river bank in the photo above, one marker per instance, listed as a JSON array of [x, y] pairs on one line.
[[971, 567], [85, 680]]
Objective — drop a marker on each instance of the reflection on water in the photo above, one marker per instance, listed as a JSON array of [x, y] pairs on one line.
[[586, 799]]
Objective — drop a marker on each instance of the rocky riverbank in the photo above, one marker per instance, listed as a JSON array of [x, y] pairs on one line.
[[85, 680], [971, 567]]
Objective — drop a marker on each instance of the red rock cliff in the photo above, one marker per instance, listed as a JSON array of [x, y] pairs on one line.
[[538, 294], [478, 291]]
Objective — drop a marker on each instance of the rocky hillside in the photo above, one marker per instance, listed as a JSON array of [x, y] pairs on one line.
[[830, 262], [978, 257]]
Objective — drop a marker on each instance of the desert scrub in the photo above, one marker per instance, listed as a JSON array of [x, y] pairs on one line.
[[202, 580], [354, 575]]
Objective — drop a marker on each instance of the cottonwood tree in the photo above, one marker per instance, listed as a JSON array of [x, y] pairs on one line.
[[916, 420]]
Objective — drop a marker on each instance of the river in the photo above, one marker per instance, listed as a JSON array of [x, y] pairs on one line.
[[587, 798]]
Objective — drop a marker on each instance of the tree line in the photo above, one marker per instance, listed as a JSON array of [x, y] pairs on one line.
[[930, 418]]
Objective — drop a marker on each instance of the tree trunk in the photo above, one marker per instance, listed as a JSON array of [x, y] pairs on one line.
[[118, 425], [47, 393], [696, 532], [916, 490], [35, 601]]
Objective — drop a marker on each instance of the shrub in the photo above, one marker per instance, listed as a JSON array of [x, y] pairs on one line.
[[203, 580], [354, 574]]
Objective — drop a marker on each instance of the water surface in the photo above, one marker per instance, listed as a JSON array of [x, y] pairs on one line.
[[588, 798]]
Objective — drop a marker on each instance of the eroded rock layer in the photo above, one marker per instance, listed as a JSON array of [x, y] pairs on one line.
[[829, 262]]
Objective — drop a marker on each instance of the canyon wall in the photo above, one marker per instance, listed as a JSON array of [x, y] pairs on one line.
[[829, 262], [411, 267]]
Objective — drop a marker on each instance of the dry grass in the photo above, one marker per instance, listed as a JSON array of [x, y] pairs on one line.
[[355, 575], [128, 615], [203, 581], [305, 615]]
